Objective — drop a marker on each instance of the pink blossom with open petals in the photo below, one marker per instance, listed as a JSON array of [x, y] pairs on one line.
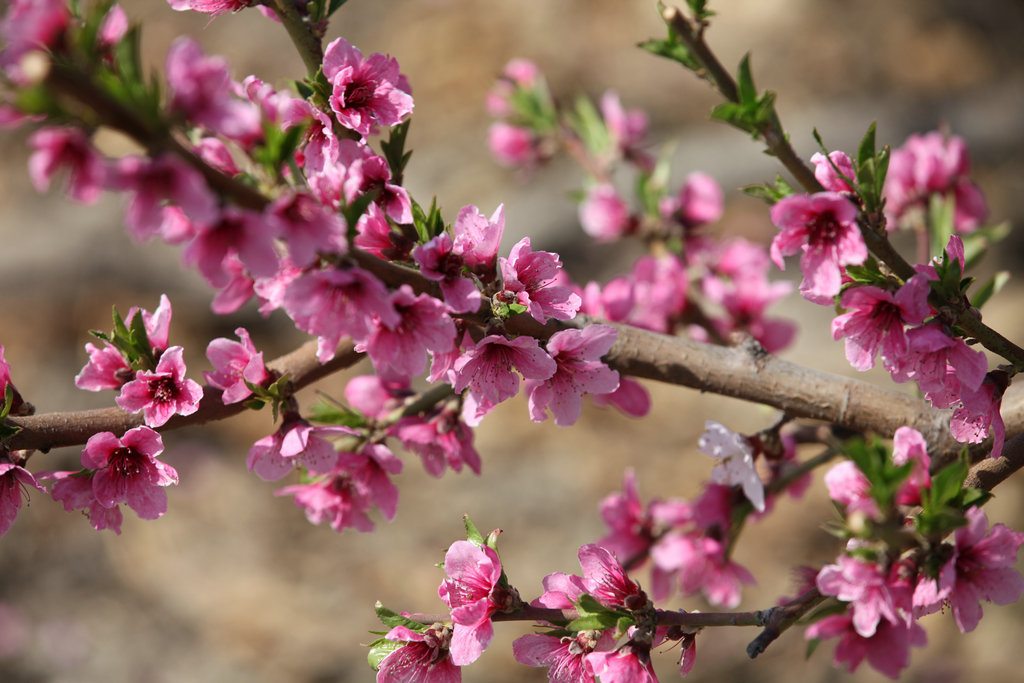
[[366, 93], [14, 485], [337, 302], [424, 325], [605, 579], [153, 182], [235, 364], [56, 148], [824, 227], [603, 213], [847, 485], [931, 353], [213, 7], [442, 439], [887, 650], [237, 233], [75, 491], [162, 393], [875, 319], [473, 594], [200, 90], [366, 172], [631, 663], [106, 369], [659, 289], [295, 443], [307, 227], [477, 239], [698, 202], [565, 657], [486, 368], [127, 471], [869, 589], [439, 262], [344, 496], [424, 657], [577, 355]]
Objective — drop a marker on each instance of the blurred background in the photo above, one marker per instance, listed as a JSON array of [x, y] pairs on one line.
[[233, 584]]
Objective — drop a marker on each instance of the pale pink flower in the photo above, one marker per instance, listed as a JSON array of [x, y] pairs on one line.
[[909, 446], [978, 416], [577, 354], [981, 568], [932, 352], [237, 233], [659, 286], [933, 164], [868, 588], [240, 288], [875, 319], [442, 439], [477, 239], [126, 471], [56, 148], [15, 481], [513, 145], [200, 90], [307, 227], [296, 442], [114, 26], [629, 522], [604, 215], [626, 128], [847, 485], [697, 563], [563, 657], [375, 397], [153, 182], [824, 227], [736, 465], [366, 93], [234, 365], [887, 650], [698, 202], [424, 325], [106, 369], [337, 302], [75, 491], [375, 236], [826, 174], [631, 398], [472, 592], [358, 482], [439, 262], [486, 368], [213, 7], [366, 172], [605, 579], [424, 657], [162, 393], [630, 663], [216, 154]]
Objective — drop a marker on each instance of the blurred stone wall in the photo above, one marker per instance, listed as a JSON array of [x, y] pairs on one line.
[[233, 584]]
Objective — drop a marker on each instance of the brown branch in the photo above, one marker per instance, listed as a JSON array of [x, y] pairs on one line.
[[53, 430]]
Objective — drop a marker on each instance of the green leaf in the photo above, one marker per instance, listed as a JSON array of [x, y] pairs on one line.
[[671, 48], [380, 649], [393, 149], [812, 645], [866, 150], [941, 211], [745, 89], [768, 192], [699, 9], [391, 619], [473, 534], [337, 414]]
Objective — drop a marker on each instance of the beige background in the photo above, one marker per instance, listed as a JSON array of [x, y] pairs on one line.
[[234, 585]]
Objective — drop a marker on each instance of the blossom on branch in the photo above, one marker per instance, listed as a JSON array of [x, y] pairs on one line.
[[162, 393], [577, 354], [366, 93], [529, 278], [424, 657], [234, 365], [15, 481]]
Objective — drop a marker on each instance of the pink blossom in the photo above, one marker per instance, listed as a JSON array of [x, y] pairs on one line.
[[827, 175], [736, 465], [477, 238], [603, 214], [234, 365], [247, 235], [519, 74], [486, 369], [868, 588], [933, 164], [424, 325], [443, 438], [848, 486], [366, 172], [631, 398], [439, 262], [627, 128], [375, 236], [163, 392], [605, 579], [213, 7], [75, 491], [154, 182], [29, 25], [565, 657], [981, 568], [513, 145], [239, 289], [824, 227], [157, 323], [629, 523], [698, 202], [375, 397], [366, 92], [631, 663], [909, 446], [659, 286], [200, 90], [697, 563], [358, 482], [472, 593], [14, 484], [307, 227], [978, 416], [126, 471], [106, 369], [296, 442], [887, 650], [55, 148], [939, 362], [875, 320], [114, 26], [577, 355], [337, 302], [215, 153], [424, 657]]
